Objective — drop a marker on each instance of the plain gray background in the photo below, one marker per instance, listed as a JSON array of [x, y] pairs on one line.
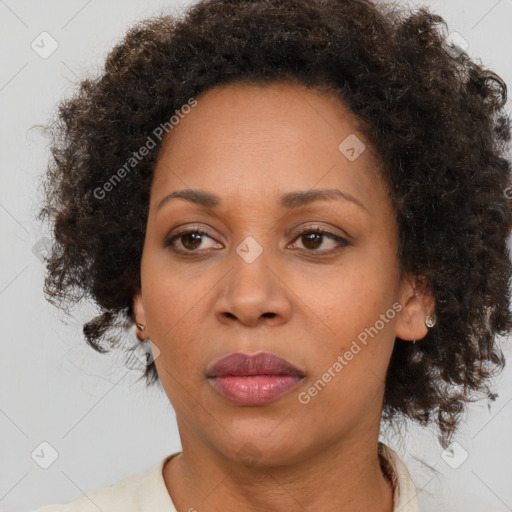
[[102, 424]]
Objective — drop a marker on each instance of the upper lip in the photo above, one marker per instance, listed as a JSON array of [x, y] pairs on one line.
[[262, 363]]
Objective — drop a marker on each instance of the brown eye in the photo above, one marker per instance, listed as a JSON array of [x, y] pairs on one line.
[[190, 240], [312, 239]]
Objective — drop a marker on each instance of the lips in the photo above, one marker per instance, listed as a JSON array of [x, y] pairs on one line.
[[262, 363], [253, 379]]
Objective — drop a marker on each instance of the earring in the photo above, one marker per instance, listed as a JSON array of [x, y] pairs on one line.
[[140, 326], [430, 320]]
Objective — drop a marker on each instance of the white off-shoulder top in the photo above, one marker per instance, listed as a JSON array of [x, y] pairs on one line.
[[146, 491]]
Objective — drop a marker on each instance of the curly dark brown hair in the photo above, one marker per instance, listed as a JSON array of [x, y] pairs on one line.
[[436, 118]]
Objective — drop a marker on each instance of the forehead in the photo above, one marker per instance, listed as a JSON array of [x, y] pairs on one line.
[[263, 140]]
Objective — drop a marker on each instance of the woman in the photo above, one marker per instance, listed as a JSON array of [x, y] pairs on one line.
[[302, 206]]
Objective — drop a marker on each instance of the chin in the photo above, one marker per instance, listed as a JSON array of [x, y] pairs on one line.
[[264, 447]]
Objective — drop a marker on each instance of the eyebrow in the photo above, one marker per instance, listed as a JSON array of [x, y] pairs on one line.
[[288, 201]]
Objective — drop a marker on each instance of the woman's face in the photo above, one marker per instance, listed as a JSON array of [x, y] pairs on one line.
[[329, 304]]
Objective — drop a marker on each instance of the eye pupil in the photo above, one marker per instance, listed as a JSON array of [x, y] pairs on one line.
[[310, 237], [187, 237]]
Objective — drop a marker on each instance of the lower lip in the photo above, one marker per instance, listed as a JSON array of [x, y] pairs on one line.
[[254, 389]]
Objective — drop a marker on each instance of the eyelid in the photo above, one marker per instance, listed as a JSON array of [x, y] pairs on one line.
[[170, 238], [289, 233], [328, 230], [342, 241]]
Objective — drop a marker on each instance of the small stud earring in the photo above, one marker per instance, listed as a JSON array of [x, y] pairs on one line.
[[140, 326], [430, 320]]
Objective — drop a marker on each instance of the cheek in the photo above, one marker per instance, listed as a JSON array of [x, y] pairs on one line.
[[168, 295], [172, 306], [347, 374], [354, 304], [345, 299], [175, 329]]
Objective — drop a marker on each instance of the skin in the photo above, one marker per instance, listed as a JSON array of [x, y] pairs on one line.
[[301, 299]]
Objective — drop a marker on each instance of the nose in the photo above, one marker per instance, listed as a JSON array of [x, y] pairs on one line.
[[253, 292]]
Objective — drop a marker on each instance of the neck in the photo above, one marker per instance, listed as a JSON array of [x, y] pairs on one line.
[[345, 477]]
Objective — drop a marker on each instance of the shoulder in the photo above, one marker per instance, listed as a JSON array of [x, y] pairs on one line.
[[119, 496], [136, 493], [405, 493]]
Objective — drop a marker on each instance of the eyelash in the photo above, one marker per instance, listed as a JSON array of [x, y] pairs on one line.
[[317, 230]]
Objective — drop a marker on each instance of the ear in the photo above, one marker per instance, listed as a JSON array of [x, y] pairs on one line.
[[417, 302], [140, 317]]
